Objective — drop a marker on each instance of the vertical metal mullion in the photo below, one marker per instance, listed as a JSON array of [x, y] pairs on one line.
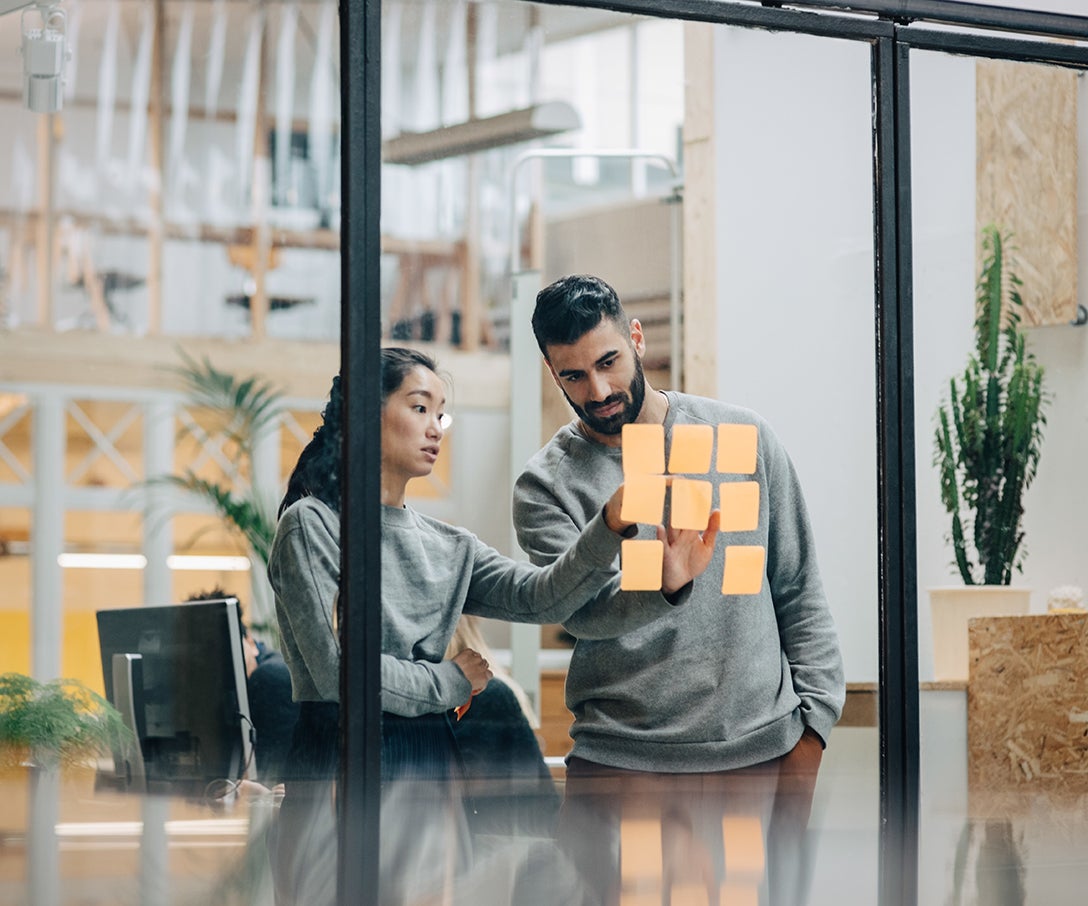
[[49, 445], [899, 746], [359, 787]]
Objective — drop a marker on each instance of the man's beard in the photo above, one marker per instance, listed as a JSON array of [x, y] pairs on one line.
[[632, 400]]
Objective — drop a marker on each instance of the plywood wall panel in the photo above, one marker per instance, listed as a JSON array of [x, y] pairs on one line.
[[1027, 704], [1027, 178]]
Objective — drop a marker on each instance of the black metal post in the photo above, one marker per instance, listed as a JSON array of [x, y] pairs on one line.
[[743, 15], [806, 15], [899, 750], [359, 787]]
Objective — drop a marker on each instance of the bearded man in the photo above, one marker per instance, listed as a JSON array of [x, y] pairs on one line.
[[699, 705]]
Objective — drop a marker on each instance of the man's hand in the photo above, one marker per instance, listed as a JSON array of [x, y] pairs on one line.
[[805, 757], [475, 669], [687, 553]]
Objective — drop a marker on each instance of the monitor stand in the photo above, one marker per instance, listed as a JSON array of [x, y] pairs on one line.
[[128, 686]]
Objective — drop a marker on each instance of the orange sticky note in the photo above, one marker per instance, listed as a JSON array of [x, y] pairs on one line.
[[685, 893], [640, 563], [691, 449], [690, 503], [640, 854], [744, 854], [743, 569], [643, 450], [643, 499], [739, 503], [739, 894], [737, 448]]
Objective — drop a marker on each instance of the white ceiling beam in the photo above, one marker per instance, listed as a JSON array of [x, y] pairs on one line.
[[481, 134]]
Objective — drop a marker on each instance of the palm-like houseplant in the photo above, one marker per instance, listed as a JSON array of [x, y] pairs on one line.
[[239, 410], [55, 723], [45, 727], [990, 429]]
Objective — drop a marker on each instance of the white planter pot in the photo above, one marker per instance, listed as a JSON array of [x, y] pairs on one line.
[[952, 607]]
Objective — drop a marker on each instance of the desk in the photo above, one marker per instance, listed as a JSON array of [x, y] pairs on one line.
[[91, 846]]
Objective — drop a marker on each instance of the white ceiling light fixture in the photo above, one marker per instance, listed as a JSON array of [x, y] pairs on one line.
[[209, 563], [86, 560], [101, 561], [45, 53], [481, 134]]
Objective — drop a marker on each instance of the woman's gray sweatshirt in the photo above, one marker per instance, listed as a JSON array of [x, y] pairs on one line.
[[431, 572]]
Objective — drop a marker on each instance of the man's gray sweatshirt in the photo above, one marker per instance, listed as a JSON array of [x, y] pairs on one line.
[[718, 681]]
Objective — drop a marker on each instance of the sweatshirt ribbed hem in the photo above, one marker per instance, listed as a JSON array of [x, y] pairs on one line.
[[682, 757]]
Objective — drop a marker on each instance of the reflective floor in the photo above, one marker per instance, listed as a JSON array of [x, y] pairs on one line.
[[62, 841]]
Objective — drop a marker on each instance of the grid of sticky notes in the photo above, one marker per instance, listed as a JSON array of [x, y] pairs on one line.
[[646, 479]]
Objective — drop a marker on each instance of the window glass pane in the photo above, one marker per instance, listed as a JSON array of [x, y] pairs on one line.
[[776, 316], [995, 148], [169, 242]]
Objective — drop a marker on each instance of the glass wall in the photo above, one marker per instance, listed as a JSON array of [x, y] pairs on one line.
[[795, 342], [997, 173], [179, 219], [169, 327], [782, 318]]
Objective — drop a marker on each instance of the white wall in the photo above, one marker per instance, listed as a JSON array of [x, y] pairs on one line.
[[796, 308], [943, 185], [795, 278]]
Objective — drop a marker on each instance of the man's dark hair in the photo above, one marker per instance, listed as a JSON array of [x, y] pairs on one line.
[[217, 593], [573, 306]]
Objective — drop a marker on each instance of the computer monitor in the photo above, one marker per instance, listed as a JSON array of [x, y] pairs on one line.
[[177, 675]]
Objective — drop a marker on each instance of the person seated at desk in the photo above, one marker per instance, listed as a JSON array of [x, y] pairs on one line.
[[510, 786]]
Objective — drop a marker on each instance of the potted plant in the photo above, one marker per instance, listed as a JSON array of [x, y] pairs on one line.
[[44, 727], [987, 445], [240, 409], [53, 724]]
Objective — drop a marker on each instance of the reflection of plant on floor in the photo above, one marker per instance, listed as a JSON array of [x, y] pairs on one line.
[[55, 723], [996, 851], [237, 410]]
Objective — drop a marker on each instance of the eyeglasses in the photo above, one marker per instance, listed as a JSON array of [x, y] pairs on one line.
[[444, 421]]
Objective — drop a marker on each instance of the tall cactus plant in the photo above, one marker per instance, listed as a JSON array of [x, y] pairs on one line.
[[990, 429]]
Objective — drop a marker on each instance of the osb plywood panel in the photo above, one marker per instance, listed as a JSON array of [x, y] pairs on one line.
[[1027, 703], [1027, 178]]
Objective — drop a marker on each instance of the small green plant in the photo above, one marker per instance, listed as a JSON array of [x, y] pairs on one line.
[[55, 723], [990, 429]]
